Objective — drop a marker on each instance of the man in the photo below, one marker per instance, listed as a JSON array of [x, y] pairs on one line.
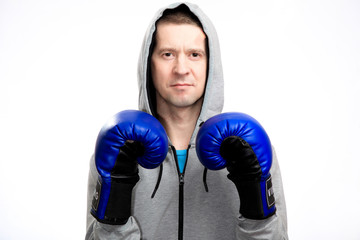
[[181, 84]]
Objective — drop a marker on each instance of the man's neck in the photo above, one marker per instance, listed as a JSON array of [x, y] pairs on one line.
[[179, 123]]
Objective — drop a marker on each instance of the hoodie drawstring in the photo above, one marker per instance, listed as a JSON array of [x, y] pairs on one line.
[[204, 179], [158, 181]]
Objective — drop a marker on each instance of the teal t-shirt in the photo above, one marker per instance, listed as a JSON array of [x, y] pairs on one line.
[[181, 156]]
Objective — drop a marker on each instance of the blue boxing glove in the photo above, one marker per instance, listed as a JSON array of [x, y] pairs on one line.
[[239, 143], [129, 138]]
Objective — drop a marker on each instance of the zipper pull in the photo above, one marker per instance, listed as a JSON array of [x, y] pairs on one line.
[[181, 179]]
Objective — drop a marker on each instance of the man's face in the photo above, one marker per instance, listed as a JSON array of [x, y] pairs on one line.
[[179, 64]]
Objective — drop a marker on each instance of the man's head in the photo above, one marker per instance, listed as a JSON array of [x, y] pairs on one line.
[[179, 59], [179, 15]]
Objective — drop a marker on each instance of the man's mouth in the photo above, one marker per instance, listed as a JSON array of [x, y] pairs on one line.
[[181, 85]]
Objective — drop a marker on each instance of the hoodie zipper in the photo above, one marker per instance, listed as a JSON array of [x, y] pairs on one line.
[[181, 192]]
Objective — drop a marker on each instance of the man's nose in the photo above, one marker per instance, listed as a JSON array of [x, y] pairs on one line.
[[181, 65]]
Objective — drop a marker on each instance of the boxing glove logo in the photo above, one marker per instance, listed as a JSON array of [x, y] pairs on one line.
[[96, 198]]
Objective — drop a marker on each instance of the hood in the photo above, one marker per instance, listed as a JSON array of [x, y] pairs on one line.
[[214, 91]]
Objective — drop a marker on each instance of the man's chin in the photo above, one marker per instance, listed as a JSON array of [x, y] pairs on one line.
[[186, 103]]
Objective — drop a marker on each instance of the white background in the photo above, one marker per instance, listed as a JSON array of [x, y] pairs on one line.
[[67, 66]]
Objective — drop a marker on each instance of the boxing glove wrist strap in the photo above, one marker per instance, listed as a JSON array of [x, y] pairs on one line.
[[118, 208], [256, 197]]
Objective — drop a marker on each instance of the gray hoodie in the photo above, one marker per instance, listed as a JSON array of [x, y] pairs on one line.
[[205, 215]]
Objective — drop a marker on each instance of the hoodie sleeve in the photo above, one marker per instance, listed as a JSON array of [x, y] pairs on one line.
[[274, 227], [100, 231]]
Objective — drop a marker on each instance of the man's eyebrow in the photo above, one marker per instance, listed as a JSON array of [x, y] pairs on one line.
[[190, 50], [166, 49]]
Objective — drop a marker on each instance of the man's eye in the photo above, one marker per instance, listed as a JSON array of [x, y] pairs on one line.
[[195, 55], [167, 54]]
